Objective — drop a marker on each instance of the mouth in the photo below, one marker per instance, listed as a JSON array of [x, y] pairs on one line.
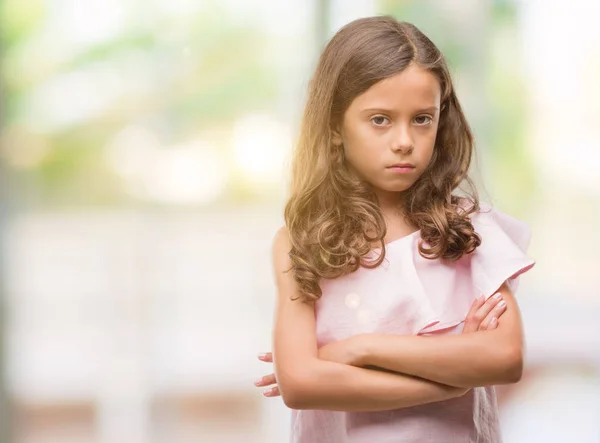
[[401, 168], [402, 165]]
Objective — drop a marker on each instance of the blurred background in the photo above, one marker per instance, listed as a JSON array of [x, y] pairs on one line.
[[143, 166]]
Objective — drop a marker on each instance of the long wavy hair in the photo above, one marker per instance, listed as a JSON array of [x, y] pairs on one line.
[[333, 218]]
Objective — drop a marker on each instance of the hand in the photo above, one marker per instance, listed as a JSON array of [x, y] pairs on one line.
[[484, 315], [343, 351], [268, 380]]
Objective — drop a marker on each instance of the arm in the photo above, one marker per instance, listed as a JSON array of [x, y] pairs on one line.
[[306, 382], [465, 360]]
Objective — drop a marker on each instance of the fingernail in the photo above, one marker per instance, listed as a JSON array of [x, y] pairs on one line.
[[267, 392], [502, 304], [493, 321], [262, 356], [257, 381], [497, 295]]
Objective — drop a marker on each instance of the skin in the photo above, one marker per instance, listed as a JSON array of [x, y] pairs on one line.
[[482, 316], [394, 121]]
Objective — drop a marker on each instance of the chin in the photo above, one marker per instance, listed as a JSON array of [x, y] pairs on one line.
[[398, 187]]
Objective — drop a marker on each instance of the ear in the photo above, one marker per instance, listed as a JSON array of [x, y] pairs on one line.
[[336, 137]]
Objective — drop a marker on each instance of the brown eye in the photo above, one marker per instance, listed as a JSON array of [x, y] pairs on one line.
[[379, 120], [423, 120]]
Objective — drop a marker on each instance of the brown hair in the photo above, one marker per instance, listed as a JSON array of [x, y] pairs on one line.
[[332, 217]]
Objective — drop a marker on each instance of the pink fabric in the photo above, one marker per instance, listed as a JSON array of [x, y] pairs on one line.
[[408, 294]]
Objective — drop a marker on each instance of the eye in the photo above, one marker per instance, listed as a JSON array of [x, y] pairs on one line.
[[379, 120], [423, 120]]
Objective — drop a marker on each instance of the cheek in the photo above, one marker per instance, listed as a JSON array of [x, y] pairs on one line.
[[428, 142], [359, 158], [353, 154], [356, 145]]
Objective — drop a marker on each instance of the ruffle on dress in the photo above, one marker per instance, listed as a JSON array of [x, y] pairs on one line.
[[409, 294]]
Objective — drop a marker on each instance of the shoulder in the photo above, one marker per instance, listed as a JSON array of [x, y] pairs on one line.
[[281, 243], [495, 227], [504, 241], [281, 240], [283, 268], [489, 216], [280, 250]]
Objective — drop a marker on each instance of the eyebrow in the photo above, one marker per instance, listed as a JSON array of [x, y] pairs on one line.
[[432, 109]]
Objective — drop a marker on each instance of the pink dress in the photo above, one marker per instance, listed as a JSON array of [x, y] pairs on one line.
[[408, 294]]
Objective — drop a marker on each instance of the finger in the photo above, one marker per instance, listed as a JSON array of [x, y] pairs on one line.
[[266, 380], [474, 320], [477, 303], [496, 313], [266, 357], [488, 326], [272, 392], [487, 307], [470, 325]]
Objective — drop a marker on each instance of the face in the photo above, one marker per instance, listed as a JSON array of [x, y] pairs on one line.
[[388, 132]]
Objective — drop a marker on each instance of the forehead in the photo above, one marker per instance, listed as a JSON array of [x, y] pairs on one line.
[[413, 88]]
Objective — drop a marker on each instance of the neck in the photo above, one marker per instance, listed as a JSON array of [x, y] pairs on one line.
[[390, 202]]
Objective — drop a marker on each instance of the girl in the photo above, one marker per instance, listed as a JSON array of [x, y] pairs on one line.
[[383, 269]]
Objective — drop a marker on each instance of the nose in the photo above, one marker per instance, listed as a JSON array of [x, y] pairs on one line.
[[402, 141]]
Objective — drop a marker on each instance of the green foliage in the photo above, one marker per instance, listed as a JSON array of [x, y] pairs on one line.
[[205, 71], [19, 19], [502, 128]]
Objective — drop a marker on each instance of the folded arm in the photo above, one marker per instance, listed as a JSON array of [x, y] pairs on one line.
[[307, 382], [464, 360]]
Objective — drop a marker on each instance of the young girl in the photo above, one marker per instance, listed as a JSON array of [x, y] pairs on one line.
[[395, 310]]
